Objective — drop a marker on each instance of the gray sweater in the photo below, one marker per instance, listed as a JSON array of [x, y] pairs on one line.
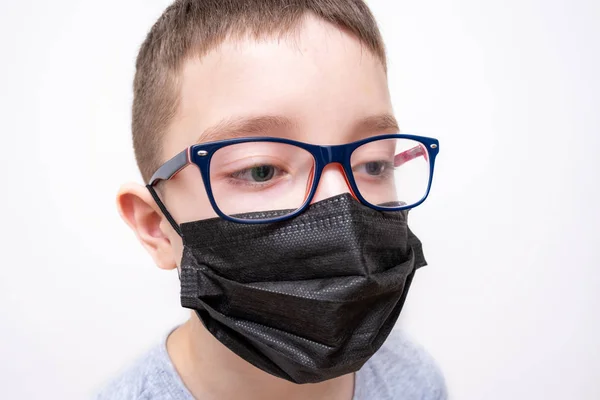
[[399, 370]]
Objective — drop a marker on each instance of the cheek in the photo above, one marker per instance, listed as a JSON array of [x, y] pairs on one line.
[[186, 198]]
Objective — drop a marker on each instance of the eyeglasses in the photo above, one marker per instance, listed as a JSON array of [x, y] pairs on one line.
[[267, 179]]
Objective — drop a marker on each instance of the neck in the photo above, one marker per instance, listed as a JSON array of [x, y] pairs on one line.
[[212, 371]]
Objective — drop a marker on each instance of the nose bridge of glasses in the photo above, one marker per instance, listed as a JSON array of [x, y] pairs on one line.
[[333, 154], [329, 183]]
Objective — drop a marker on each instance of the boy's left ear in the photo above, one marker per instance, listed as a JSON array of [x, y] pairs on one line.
[[140, 212]]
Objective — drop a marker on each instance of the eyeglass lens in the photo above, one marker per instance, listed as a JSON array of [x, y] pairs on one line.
[[266, 176]]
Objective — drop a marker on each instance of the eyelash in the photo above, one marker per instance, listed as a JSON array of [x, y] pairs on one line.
[[387, 171], [242, 182]]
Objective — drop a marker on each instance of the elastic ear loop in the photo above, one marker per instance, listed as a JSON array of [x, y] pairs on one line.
[[162, 207]]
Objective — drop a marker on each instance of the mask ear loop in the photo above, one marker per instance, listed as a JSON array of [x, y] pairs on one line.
[[162, 207], [167, 215]]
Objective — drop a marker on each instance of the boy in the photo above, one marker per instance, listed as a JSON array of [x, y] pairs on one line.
[[277, 186]]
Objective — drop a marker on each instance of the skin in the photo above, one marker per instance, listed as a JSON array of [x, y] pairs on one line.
[[325, 83]]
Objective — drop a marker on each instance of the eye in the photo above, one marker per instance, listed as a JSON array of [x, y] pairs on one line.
[[258, 173], [262, 173], [375, 167]]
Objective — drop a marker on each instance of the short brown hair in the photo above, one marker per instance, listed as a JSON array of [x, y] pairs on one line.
[[194, 27]]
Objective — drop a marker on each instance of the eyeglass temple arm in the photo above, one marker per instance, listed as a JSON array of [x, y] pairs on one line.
[[171, 167], [165, 172], [410, 154]]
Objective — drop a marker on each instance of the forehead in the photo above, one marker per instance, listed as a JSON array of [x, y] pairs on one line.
[[320, 78]]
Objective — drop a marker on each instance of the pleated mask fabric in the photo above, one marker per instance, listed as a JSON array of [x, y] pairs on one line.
[[305, 299]]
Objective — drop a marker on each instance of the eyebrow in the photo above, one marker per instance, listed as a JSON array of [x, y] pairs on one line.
[[266, 125], [247, 126], [382, 123]]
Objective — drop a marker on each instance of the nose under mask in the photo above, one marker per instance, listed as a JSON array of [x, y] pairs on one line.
[[306, 299]]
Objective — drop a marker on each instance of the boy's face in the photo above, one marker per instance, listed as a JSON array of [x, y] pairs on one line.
[[321, 84]]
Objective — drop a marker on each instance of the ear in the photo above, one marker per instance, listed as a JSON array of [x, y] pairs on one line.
[[139, 210]]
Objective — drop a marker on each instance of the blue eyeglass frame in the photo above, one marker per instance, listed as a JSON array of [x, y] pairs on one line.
[[201, 155]]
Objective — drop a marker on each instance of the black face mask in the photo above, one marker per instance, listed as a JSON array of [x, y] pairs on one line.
[[306, 299]]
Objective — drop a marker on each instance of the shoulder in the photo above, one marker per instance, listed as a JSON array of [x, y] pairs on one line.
[[401, 369], [151, 377]]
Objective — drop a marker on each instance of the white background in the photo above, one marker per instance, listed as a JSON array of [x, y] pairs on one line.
[[510, 303]]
